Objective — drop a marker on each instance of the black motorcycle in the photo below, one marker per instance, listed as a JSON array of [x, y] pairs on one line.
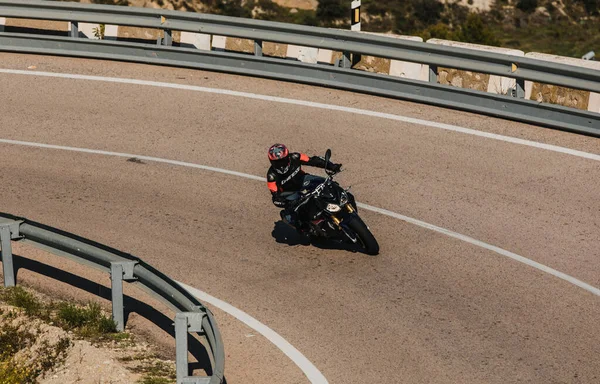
[[329, 211]]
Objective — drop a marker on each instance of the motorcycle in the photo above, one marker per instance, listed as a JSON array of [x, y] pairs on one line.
[[331, 212]]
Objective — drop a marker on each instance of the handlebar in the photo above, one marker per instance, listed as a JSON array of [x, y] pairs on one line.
[[304, 199]]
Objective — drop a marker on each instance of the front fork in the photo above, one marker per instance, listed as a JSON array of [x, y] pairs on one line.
[[338, 221], [346, 217]]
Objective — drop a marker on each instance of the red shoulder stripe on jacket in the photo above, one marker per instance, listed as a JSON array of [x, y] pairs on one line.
[[272, 186]]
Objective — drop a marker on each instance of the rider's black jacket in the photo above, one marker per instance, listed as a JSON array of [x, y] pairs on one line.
[[292, 179]]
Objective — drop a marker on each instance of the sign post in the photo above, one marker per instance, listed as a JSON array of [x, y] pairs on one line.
[[355, 16], [355, 25]]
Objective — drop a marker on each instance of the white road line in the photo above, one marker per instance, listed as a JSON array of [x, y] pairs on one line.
[[487, 246], [382, 211], [364, 112], [311, 372]]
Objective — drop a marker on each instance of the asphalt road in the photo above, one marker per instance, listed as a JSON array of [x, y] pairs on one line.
[[428, 309]]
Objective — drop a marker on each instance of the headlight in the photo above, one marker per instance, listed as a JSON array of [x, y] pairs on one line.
[[333, 207], [343, 198]]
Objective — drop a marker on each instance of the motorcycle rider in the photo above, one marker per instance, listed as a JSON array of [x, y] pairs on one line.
[[285, 178]]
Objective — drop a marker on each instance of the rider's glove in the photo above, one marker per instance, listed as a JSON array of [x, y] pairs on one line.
[[336, 167], [280, 202]]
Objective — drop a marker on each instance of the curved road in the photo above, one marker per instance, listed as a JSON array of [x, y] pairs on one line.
[[428, 309]]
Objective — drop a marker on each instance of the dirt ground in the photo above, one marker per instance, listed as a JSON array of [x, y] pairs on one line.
[[85, 362]]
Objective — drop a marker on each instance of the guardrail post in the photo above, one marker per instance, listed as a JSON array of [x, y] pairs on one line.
[[433, 73], [258, 48], [346, 61], [74, 29], [7, 259], [119, 271], [186, 322], [8, 231], [519, 90], [168, 39]]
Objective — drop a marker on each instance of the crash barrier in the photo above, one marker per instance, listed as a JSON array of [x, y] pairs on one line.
[[191, 316], [341, 75]]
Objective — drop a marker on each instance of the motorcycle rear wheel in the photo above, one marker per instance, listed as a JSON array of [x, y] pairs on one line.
[[365, 237]]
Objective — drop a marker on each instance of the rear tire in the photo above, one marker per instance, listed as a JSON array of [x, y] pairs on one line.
[[365, 237]]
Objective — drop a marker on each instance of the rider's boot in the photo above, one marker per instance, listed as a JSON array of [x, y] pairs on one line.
[[291, 219], [288, 218]]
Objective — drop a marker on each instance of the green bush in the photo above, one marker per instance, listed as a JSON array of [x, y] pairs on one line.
[[428, 12], [591, 6], [527, 6], [232, 8], [18, 297], [437, 31], [331, 10], [15, 373], [475, 31], [88, 320], [154, 380]]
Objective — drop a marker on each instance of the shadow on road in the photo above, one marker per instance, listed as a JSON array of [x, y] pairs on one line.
[[284, 234]]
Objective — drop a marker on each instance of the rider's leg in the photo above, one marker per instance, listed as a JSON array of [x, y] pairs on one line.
[[288, 215]]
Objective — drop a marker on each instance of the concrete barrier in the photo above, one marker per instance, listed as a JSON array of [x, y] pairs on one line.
[[489, 83], [87, 30], [561, 95], [399, 68], [195, 40], [219, 43], [407, 69], [594, 102], [325, 56], [111, 32], [303, 54]]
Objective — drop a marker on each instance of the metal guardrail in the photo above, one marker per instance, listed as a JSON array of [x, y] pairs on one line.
[[191, 315], [512, 106], [345, 41]]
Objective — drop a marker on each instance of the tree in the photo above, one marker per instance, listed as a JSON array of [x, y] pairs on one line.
[[428, 12], [591, 6], [527, 6], [331, 10], [232, 8], [475, 31]]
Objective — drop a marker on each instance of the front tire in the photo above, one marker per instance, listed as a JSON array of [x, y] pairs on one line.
[[365, 237]]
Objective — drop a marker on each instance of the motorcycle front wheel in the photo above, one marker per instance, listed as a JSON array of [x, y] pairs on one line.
[[364, 235]]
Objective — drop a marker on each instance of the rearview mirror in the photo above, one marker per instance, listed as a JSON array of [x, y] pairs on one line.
[[327, 157]]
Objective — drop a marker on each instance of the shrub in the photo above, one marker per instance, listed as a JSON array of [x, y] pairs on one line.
[[330, 10], [15, 373], [527, 6], [475, 31], [428, 12], [591, 6], [88, 320], [18, 297]]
